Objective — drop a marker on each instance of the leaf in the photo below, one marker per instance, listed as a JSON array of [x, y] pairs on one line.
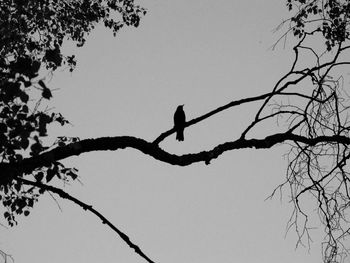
[[39, 176], [24, 97], [36, 66], [24, 109], [36, 148], [27, 84], [42, 129], [42, 84], [21, 204], [18, 187], [24, 143], [30, 202], [50, 174], [46, 93], [54, 56]]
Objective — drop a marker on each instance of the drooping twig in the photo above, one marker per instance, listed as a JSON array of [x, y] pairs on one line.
[[85, 206], [6, 256]]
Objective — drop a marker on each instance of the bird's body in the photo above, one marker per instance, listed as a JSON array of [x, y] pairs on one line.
[[179, 122]]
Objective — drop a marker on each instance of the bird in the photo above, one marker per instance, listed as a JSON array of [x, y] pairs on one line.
[[179, 122]]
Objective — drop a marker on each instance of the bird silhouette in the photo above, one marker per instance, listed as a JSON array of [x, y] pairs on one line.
[[179, 122]]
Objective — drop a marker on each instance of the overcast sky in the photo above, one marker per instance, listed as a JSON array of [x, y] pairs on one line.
[[199, 53]]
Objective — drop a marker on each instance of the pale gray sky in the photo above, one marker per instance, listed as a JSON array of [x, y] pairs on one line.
[[201, 53]]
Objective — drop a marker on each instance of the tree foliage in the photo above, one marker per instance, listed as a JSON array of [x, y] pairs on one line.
[[309, 103], [31, 36]]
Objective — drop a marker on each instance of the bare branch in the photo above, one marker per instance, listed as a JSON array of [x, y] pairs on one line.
[[161, 137], [115, 143], [89, 208]]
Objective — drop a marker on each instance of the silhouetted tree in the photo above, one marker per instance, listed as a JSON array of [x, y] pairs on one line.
[[309, 103]]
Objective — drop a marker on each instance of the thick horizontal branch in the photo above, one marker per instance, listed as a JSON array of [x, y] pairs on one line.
[[115, 143]]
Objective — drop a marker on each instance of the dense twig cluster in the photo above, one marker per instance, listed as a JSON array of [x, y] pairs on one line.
[[320, 171]]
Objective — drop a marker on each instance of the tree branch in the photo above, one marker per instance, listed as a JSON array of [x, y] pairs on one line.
[[121, 142], [85, 206], [164, 135], [211, 113]]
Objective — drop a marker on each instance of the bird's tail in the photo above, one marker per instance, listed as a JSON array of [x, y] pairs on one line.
[[180, 134]]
